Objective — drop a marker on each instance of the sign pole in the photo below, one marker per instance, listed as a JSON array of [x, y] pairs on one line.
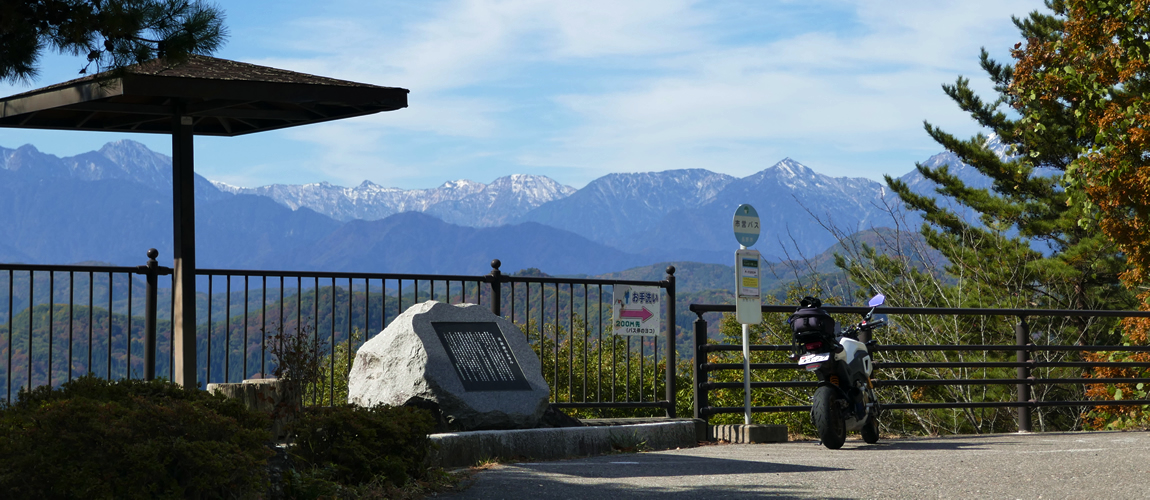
[[748, 291], [746, 369], [746, 374]]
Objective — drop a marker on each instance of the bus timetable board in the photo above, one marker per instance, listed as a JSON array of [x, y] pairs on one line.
[[748, 287], [748, 275]]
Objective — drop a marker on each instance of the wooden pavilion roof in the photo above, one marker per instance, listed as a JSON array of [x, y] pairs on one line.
[[222, 98]]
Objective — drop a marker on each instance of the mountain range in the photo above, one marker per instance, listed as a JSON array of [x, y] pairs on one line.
[[111, 205], [462, 202]]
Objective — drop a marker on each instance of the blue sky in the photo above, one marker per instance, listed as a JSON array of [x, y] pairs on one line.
[[577, 90]]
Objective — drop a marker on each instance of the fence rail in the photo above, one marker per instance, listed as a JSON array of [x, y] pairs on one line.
[[1023, 381], [588, 332], [65, 321]]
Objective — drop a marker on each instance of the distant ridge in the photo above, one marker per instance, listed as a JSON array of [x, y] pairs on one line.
[[462, 202], [112, 204]]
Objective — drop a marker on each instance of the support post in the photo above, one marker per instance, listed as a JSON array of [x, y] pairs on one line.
[[670, 383], [746, 374], [152, 270], [496, 279], [1022, 337], [700, 378], [184, 261]]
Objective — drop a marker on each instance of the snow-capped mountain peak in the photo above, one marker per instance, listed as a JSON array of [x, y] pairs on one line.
[[995, 144], [790, 169], [464, 202], [227, 188]]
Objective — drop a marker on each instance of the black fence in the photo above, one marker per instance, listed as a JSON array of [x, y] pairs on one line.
[[59, 322], [568, 320], [1025, 366], [66, 321]]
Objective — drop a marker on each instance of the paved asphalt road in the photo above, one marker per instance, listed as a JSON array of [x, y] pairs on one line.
[[1049, 465]]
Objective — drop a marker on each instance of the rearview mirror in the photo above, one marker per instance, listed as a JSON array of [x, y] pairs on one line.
[[877, 300]]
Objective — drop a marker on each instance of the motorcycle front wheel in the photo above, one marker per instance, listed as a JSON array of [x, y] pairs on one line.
[[826, 414], [870, 430]]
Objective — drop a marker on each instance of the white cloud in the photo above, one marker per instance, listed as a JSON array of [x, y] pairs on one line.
[[581, 89], [856, 92], [587, 88]]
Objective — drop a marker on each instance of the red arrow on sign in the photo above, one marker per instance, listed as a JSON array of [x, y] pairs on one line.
[[642, 314]]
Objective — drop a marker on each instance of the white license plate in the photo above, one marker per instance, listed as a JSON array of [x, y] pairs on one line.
[[814, 358]]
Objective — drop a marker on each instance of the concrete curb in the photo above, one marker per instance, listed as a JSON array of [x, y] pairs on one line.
[[749, 434], [462, 449]]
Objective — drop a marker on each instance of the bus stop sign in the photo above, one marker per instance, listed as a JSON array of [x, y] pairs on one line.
[[746, 225]]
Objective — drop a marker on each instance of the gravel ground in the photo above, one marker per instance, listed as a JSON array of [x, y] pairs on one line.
[[1048, 465]]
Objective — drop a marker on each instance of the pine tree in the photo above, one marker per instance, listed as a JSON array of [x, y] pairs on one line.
[[1097, 66], [109, 34], [1027, 248]]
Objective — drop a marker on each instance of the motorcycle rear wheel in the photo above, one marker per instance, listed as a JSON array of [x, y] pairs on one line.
[[870, 430], [826, 414]]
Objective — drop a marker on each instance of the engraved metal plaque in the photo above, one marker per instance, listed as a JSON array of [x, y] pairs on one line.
[[481, 356]]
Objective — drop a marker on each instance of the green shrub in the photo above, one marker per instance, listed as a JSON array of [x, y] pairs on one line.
[[350, 446], [92, 438]]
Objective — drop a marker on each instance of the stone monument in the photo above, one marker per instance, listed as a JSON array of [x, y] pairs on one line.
[[474, 367]]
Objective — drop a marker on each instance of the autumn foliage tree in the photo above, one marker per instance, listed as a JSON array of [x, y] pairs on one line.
[[1024, 248], [1019, 241], [1099, 68]]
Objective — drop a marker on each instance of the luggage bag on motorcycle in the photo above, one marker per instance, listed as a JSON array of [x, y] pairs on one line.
[[810, 322]]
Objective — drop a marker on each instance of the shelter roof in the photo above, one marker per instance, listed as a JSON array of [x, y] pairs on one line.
[[222, 97]]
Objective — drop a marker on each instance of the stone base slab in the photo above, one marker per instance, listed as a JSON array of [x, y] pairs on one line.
[[464, 449]]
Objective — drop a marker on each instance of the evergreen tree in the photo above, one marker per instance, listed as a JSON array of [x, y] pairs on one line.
[[1027, 249], [109, 34], [1097, 65]]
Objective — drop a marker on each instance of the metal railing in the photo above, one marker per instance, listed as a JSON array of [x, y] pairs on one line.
[[108, 322], [79, 320], [570, 318], [243, 310], [1023, 381]]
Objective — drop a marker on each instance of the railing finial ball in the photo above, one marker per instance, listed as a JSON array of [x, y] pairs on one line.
[[671, 270], [153, 253], [495, 264]]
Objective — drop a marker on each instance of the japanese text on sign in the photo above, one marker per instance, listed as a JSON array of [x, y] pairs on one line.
[[749, 278], [481, 357], [642, 297], [746, 224]]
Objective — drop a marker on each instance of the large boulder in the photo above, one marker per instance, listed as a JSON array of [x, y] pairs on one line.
[[485, 377]]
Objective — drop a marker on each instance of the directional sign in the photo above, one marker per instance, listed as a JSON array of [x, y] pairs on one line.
[[746, 225], [636, 310], [642, 314]]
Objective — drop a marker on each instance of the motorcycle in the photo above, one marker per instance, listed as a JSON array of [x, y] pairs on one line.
[[844, 400]]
